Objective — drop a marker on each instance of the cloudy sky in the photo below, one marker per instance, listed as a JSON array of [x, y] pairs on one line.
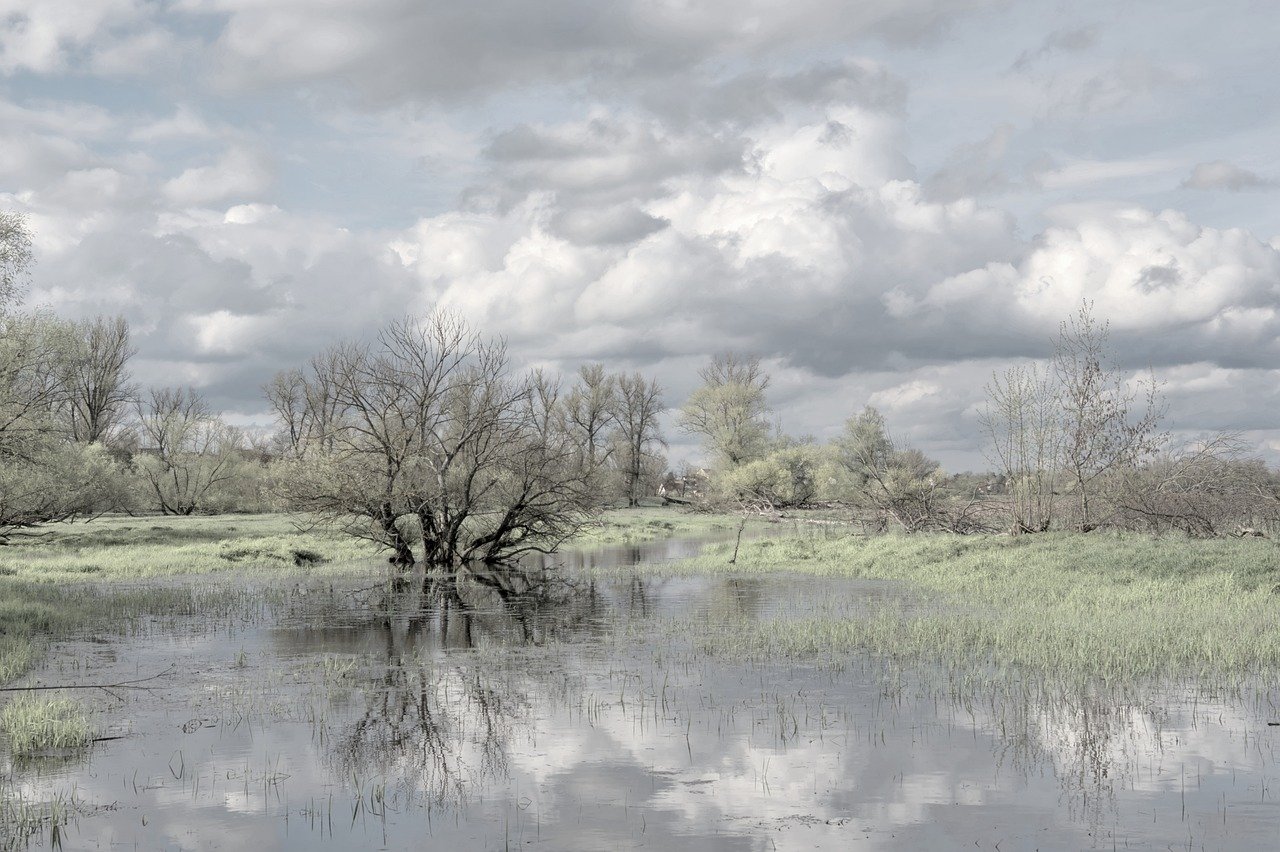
[[885, 200]]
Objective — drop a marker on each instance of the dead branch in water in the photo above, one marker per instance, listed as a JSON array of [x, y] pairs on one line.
[[107, 687]]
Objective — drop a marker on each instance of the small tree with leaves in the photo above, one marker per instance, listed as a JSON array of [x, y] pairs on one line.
[[729, 411]]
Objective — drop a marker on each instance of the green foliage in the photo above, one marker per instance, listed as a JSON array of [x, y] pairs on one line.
[[15, 256], [787, 476], [900, 484], [729, 411]]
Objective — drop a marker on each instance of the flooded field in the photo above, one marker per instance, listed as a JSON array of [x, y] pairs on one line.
[[589, 712]]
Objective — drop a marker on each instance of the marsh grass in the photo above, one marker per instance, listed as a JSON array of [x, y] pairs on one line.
[[624, 526], [1110, 607], [35, 724], [116, 547]]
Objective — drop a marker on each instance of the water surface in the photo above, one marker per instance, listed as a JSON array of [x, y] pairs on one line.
[[585, 714]]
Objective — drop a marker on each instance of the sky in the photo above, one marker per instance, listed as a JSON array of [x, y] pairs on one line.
[[885, 200]]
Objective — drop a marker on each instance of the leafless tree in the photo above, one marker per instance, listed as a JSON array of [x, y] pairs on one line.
[[306, 404], [1023, 426], [589, 411], [97, 379], [1104, 427], [187, 452], [637, 409], [1209, 487], [433, 440]]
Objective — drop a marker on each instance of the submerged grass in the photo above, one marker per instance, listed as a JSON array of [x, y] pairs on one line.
[[72, 575], [33, 724], [1108, 606]]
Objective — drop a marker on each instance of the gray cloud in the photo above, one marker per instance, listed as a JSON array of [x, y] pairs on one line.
[[1063, 41], [974, 168], [390, 50]]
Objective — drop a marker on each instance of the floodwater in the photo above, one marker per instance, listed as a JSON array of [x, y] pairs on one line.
[[585, 715]]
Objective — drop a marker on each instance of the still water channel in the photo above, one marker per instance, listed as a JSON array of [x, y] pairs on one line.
[[353, 714]]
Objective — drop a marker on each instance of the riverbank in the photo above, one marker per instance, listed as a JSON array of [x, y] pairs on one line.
[[1102, 606]]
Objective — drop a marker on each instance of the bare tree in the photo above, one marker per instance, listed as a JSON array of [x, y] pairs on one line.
[[589, 411], [433, 440], [1209, 487], [729, 411], [187, 452], [1104, 429], [43, 477], [306, 403], [637, 409], [97, 378], [1022, 423]]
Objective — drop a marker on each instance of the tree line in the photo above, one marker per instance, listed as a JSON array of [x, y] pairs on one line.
[[428, 441]]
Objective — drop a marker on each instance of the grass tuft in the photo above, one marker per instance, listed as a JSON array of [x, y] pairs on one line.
[[37, 724]]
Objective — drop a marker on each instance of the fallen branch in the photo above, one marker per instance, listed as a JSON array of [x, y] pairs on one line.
[[124, 684]]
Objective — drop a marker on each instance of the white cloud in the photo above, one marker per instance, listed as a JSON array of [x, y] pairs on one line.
[[1222, 175], [239, 172], [47, 35]]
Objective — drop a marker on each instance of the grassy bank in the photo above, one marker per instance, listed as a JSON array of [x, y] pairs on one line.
[[1100, 606], [69, 577], [624, 526], [117, 547]]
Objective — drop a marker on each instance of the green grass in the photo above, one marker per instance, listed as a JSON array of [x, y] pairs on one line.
[[1104, 606], [34, 724], [70, 577], [117, 547], [623, 526]]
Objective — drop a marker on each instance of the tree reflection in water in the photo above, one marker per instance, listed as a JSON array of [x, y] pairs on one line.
[[450, 685]]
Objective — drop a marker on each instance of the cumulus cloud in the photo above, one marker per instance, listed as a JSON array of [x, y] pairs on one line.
[[636, 183], [52, 35], [1223, 175], [1172, 289], [239, 172]]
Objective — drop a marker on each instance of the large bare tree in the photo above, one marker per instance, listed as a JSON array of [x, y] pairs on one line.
[[97, 388], [433, 440], [636, 411]]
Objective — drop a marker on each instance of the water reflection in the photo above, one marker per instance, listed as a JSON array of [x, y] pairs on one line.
[[573, 710]]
